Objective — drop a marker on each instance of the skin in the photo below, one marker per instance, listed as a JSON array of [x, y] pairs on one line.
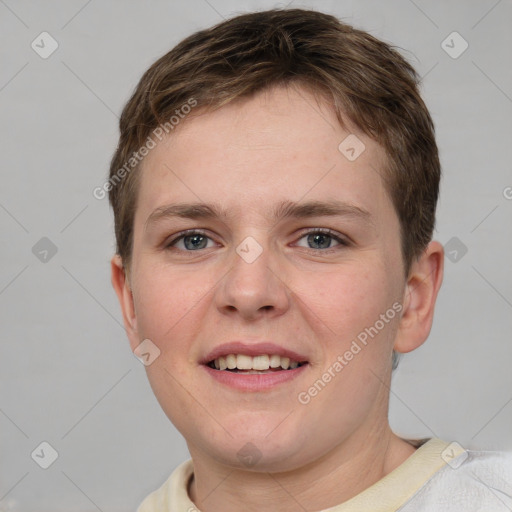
[[248, 156]]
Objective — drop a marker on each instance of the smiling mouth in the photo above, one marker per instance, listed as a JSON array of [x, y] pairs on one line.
[[261, 364]]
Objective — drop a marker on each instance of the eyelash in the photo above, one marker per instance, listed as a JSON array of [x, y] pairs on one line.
[[324, 231]]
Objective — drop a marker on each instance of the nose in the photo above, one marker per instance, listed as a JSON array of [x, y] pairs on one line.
[[253, 289]]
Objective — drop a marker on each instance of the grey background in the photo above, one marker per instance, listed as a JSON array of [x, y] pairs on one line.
[[67, 374]]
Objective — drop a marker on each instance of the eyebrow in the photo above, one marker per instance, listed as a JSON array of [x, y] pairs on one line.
[[283, 210]]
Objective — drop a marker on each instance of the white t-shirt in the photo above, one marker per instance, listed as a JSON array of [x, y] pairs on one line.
[[437, 477]]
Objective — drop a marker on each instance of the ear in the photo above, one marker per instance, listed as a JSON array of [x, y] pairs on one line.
[[423, 284], [121, 284]]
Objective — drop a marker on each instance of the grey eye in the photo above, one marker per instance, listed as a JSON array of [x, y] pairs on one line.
[[192, 242], [320, 240]]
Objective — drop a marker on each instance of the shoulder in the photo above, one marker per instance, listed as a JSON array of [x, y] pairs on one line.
[[471, 481], [172, 494]]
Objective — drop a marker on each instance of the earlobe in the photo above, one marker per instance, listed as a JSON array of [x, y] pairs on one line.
[[121, 285], [422, 287]]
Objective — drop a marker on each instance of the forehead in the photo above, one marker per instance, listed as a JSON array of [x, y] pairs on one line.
[[281, 144]]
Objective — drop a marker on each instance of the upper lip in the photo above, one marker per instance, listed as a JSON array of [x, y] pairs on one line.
[[252, 349]]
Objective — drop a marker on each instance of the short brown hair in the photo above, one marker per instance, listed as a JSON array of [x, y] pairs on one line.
[[364, 80]]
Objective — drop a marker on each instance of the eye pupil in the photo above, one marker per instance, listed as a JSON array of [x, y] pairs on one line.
[[321, 239], [196, 241]]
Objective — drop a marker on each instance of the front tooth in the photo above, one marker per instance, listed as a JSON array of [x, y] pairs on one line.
[[257, 363], [243, 362], [260, 362], [275, 361]]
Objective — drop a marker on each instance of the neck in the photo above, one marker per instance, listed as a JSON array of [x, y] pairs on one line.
[[353, 466]]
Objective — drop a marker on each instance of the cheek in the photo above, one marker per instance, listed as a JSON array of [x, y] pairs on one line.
[[170, 307], [348, 298], [166, 301]]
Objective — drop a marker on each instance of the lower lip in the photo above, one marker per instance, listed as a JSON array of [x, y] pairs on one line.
[[254, 381]]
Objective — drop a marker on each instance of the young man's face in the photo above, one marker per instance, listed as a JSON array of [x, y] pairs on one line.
[[256, 276]]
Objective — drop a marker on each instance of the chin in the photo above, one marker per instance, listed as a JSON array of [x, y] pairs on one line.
[[251, 457], [262, 449]]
